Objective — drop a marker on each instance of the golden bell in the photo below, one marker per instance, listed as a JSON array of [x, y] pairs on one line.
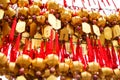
[[117, 72], [77, 66], [3, 59], [86, 76], [23, 60], [69, 62], [63, 67], [12, 67], [106, 71], [38, 63], [20, 78], [52, 60], [93, 66]]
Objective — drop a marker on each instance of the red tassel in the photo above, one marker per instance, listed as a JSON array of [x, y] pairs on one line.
[[57, 43], [49, 44], [86, 61], [62, 53], [17, 45], [25, 47], [100, 54], [47, 48], [114, 58], [109, 55], [14, 51], [42, 54], [13, 29], [119, 57], [79, 53], [90, 51], [72, 48]]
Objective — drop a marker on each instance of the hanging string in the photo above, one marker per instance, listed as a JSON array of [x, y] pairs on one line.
[[94, 2], [114, 4], [108, 2]]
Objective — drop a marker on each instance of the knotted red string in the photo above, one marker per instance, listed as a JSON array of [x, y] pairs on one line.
[[11, 36]]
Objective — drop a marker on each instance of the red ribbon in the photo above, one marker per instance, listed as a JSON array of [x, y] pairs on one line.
[[13, 29]]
